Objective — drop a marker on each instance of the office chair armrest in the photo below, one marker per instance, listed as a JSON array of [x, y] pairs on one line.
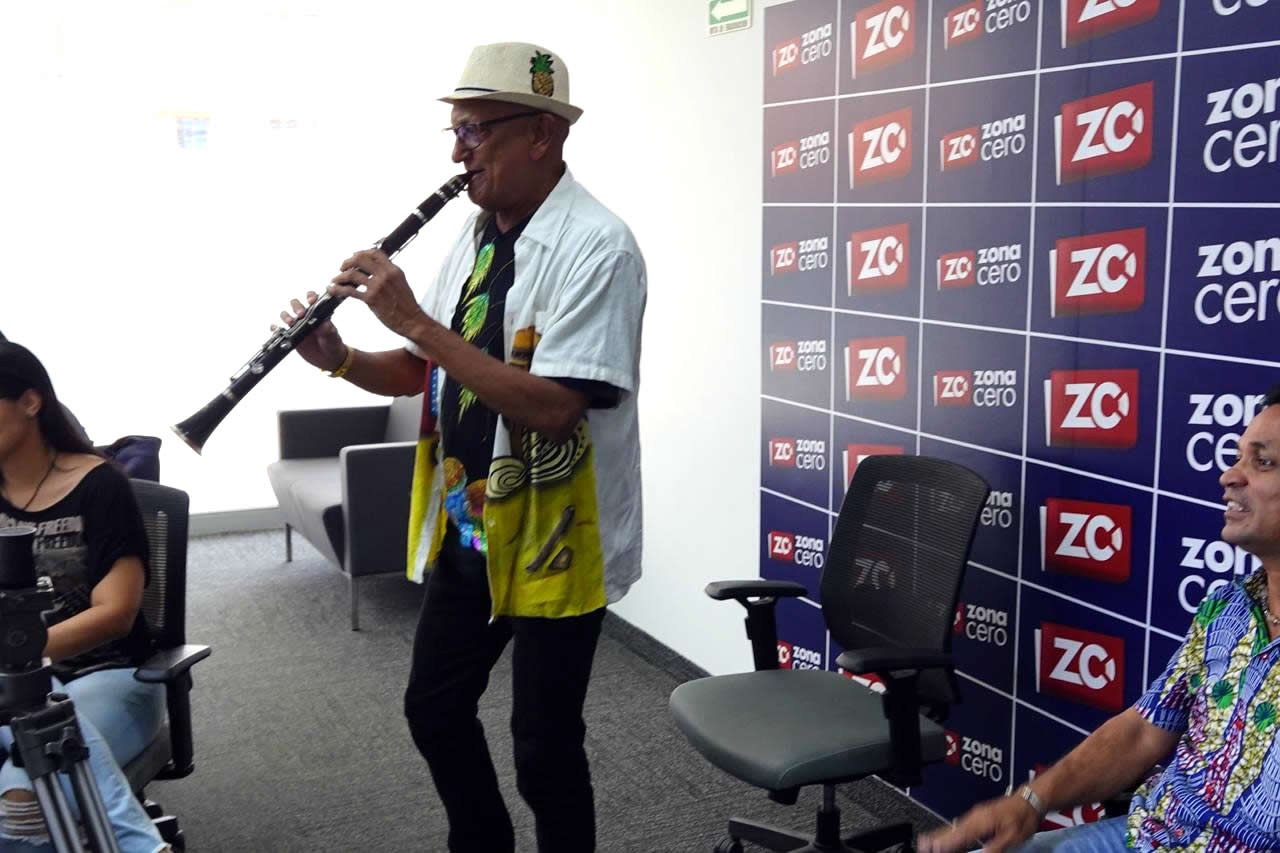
[[759, 597], [899, 669], [170, 664], [321, 433], [173, 668], [739, 590], [883, 661]]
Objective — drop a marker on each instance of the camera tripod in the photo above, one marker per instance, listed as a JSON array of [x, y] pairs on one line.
[[47, 741], [46, 734]]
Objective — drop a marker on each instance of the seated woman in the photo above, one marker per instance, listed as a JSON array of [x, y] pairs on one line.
[[90, 541]]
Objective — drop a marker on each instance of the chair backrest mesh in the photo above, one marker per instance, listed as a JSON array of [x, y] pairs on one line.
[[898, 555], [165, 512]]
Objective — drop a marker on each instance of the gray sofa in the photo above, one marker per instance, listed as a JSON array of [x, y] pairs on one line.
[[343, 482]]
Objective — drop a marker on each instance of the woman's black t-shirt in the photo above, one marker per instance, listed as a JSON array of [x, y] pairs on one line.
[[78, 540]]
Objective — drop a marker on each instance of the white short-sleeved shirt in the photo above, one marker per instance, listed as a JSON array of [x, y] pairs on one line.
[[580, 283]]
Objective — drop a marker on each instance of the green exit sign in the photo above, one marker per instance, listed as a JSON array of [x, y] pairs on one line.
[[727, 16]]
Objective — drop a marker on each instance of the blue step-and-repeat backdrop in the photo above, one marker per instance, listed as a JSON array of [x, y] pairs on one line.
[[1040, 238]]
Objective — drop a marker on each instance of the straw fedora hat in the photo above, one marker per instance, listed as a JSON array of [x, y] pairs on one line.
[[516, 73]]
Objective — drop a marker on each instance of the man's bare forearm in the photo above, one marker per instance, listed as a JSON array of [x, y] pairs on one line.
[[1105, 763], [391, 373]]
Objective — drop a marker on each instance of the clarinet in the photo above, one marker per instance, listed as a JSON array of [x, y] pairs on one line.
[[195, 430]]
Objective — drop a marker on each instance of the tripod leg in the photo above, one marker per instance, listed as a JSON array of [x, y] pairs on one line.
[[57, 815], [92, 810]]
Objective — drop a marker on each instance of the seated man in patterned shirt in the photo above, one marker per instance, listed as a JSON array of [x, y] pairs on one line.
[[1215, 704]]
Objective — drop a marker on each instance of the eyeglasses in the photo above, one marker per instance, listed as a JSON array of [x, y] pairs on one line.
[[474, 133]]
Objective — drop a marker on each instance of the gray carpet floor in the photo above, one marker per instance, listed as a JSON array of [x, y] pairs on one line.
[[301, 746]]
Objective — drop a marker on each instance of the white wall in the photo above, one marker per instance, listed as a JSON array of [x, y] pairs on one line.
[[144, 274]]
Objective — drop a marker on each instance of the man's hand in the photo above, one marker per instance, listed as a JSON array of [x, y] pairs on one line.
[[323, 347], [371, 277], [997, 824]]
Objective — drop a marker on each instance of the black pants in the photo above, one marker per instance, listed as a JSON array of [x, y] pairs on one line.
[[453, 652]]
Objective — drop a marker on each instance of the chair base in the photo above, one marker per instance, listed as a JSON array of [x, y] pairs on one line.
[[826, 840], [166, 825]]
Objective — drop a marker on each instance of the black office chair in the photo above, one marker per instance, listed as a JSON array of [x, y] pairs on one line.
[[889, 592], [170, 755]]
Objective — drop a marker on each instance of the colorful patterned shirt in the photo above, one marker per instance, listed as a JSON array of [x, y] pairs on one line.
[[1221, 791], [562, 520]]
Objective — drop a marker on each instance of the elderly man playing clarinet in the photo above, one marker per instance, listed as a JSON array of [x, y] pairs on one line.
[[526, 509]]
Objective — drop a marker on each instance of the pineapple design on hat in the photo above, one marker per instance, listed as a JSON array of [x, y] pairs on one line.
[[540, 72], [517, 72]]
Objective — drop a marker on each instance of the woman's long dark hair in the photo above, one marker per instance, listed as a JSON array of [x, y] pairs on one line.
[[20, 371]]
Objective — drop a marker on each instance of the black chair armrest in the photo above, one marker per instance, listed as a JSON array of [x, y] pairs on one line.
[[885, 660], [899, 669], [739, 590], [760, 597], [170, 664], [173, 668], [311, 433]]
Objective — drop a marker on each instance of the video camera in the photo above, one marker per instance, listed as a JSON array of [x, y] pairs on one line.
[[23, 600]]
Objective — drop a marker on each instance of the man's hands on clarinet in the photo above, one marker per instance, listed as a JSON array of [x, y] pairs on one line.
[[323, 347], [371, 277]]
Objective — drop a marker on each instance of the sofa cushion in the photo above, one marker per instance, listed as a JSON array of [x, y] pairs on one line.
[[309, 492]]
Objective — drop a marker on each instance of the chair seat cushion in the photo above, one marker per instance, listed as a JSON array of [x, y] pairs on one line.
[[784, 728], [309, 493], [154, 756]]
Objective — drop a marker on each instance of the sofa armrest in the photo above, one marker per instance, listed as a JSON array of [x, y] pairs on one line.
[[376, 484], [309, 433]]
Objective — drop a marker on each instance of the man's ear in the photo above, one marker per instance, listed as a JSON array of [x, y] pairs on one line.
[[544, 136]]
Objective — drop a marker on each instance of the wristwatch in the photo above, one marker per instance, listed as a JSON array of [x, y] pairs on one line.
[[1033, 799]]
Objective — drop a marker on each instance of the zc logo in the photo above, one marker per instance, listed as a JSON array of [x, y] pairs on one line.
[[880, 148], [1092, 408], [952, 388], [879, 258], [883, 35], [1099, 273], [1092, 540], [962, 24], [808, 454], [782, 452], [782, 258], [1081, 666], [1103, 134], [785, 158], [786, 56], [874, 369], [855, 453], [782, 546], [959, 148], [956, 269], [1089, 19], [782, 356]]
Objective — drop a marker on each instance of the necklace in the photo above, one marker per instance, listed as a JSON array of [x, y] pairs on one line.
[[47, 472], [1274, 620]]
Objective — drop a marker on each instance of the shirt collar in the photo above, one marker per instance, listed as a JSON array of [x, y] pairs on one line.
[[548, 219]]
